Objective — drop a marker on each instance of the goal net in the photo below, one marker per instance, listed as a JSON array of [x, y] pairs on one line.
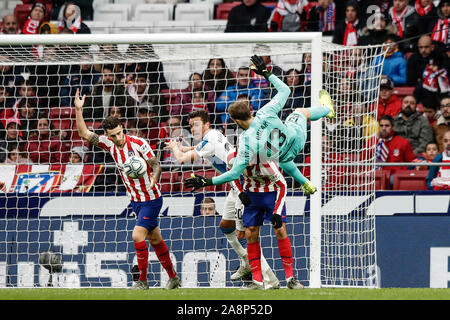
[[66, 220]]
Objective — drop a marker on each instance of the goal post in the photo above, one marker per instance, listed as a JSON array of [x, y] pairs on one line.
[[337, 247]]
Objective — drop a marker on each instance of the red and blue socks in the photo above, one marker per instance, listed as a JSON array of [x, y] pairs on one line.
[[285, 250], [162, 252], [142, 259]]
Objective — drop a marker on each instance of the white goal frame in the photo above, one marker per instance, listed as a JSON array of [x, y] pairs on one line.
[[315, 38]]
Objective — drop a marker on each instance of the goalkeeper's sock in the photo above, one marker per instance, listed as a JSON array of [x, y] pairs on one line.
[[234, 242], [318, 112], [284, 247], [162, 252], [142, 259], [254, 259]]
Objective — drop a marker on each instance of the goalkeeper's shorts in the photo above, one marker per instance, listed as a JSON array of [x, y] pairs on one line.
[[297, 127], [263, 206], [147, 213]]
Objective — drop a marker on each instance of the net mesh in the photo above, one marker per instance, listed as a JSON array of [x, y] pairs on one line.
[[79, 209]]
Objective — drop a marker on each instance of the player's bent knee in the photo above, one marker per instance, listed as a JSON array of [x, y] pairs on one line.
[[304, 112], [139, 234]]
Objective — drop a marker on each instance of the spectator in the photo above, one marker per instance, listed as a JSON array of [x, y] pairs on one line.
[[439, 177], [440, 25], [12, 137], [141, 91], [411, 125], [250, 16], [16, 155], [377, 30], [208, 207], [243, 85], [10, 25], [72, 13], [27, 113], [82, 77], [107, 92], [405, 18], [10, 76], [431, 151], [443, 123], [431, 114], [149, 124], [118, 112], [153, 68], [394, 63], [217, 76], [428, 69], [427, 14], [44, 147], [297, 99], [348, 31], [388, 103], [77, 154], [37, 16], [391, 147], [287, 16], [322, 17], [183, 102]]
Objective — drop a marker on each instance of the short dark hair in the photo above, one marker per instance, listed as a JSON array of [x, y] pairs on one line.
[[388, 118], [240, 110], [110, 123], [202, 114]]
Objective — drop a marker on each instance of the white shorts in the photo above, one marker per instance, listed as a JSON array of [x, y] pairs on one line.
[[233, 209]]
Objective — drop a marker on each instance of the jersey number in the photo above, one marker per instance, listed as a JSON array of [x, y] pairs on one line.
[[275, 136]]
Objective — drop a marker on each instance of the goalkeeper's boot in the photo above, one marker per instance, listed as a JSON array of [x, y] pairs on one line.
[[309, 188], [294, 284], [325, 100], [254, 285], [173, 283], [243, 271], [140, 285]]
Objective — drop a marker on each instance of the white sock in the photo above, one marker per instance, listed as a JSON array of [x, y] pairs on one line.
[[267, 273], [236, 245]]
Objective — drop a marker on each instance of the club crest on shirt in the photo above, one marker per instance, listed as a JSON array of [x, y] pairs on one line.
[[396, 152], [131, 153]]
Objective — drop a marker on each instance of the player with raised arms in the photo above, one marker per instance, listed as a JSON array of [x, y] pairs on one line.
[[219, 152], [144, 192], [266, 138]]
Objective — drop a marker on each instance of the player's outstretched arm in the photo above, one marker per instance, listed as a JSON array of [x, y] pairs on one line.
[[291, 169], [156, 171], [276, 104], [83, 131], [183, 155]]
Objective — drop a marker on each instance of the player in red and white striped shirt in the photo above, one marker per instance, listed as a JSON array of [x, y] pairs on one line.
[[144, 192]]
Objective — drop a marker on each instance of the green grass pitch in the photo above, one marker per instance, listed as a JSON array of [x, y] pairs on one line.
[[225, 294]]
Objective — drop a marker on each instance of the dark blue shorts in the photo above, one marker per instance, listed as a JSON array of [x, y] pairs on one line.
[[147, 213], [263, 206]]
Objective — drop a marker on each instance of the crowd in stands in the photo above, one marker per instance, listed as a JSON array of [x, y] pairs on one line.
[[411, 127]]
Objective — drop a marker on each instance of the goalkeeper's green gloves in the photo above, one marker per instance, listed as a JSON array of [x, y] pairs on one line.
[[259, 66], [309, 188], [197, 182]]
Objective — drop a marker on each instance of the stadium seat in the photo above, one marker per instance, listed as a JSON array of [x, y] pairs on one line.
[[153, 12], [194, 11], [410, 180], [170, 182], [112, 12], [210, 26], [132, 26], [207, 174], [382, 180], [223, 9], [403, 91], [173, 26], [100, 27]]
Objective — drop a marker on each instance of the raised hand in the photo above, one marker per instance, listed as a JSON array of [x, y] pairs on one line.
[[197, 182], [79, 102], [259, 66]]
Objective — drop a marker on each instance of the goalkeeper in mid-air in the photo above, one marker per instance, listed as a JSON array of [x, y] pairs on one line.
[[266, 137]]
